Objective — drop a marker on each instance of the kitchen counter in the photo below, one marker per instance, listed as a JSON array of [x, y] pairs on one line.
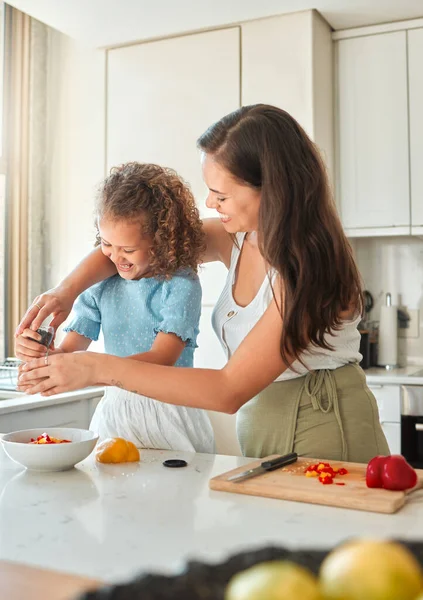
[[399, 376], [20, 401], [109, 522]]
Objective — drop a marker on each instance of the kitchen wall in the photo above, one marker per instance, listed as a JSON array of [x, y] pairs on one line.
[[75, 150], [395, 265]]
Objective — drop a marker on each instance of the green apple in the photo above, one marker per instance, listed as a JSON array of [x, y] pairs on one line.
[[275, 580], [371, 570]]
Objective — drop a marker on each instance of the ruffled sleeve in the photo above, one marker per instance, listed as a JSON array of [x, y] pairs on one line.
[[181, 307], [86, 319]]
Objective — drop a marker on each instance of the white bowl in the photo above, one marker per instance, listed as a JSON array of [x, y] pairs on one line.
[[49, 457]]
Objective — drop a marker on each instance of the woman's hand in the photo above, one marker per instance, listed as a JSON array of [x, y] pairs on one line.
[[59, 373], [57, 302]]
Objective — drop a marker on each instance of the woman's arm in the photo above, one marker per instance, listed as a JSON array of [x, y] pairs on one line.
[[59, 300], [255, 364]]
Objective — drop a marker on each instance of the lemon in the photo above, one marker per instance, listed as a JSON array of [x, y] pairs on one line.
[[371, 570], [275, 580]]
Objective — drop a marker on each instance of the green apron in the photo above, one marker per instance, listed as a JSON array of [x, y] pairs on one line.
[[327, 414]]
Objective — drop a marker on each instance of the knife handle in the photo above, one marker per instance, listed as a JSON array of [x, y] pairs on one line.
[[280, 461]]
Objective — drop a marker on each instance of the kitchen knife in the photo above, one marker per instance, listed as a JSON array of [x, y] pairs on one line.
[[265, 467]]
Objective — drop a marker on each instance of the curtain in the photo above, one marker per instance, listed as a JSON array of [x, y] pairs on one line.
[[17, 61], [25, 110]]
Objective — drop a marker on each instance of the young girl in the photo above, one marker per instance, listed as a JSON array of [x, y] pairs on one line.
[[149, 227]]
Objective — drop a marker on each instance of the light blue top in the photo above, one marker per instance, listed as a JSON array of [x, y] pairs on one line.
[[131, 313]]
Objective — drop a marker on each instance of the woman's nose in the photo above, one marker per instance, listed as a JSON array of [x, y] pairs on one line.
[[211, 202]]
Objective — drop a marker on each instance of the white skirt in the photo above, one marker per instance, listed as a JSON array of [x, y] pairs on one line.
[[152, 424]]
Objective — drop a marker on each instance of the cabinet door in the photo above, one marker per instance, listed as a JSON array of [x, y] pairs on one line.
[[388, 398], [69, 414], [415, 82], [163, 95], [392, 433], [373, 165], [287, 61]]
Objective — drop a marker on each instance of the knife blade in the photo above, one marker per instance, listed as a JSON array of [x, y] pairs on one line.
[[265, 467]]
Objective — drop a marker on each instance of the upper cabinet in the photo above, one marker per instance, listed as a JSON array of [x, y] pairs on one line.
[[379, 129], [287, 61], [373, 166], [415, 64]]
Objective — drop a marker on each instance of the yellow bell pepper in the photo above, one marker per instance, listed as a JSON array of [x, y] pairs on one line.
[[116, 450]]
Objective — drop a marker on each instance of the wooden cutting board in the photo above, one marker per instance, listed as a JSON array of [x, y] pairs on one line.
[[290, 483], [19, 581]]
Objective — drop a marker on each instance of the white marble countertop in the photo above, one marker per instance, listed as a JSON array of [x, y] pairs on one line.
[[398, 376], [113, 521]]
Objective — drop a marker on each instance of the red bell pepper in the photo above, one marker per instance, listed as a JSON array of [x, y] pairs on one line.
[[397, 474], [391, 473], [374, 472]]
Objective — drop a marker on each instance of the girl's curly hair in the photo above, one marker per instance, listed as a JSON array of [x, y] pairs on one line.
[[165, 203]]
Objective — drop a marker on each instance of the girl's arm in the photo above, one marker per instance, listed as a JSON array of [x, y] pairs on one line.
[[166, 349], [73, 342], [95, 267], [255, 364]]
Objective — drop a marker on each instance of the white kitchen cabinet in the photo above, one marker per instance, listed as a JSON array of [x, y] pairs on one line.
[[415, 83], [372, 132], [388, 398], [75, 413], [392, 433], [287, 61], [163, 95]]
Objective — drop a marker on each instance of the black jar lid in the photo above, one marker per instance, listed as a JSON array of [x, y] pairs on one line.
[[175, 463]]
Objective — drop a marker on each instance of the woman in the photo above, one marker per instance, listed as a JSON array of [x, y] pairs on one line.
[[288, 313]]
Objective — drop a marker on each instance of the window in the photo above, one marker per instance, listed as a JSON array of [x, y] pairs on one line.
[[2, 195]]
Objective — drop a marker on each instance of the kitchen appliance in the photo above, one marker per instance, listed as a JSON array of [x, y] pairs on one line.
[[412, 424], [366, 329], [290, 483]]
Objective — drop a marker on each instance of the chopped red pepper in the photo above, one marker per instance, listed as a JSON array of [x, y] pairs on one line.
[[325, 472], [339, 483], [46, 439]]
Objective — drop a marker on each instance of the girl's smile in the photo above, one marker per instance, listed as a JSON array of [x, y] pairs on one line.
[[125, 244]]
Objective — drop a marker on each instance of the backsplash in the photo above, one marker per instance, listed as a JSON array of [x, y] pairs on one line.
[[395, 265]]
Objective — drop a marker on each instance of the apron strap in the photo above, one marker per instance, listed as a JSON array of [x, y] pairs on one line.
[[314, 383]]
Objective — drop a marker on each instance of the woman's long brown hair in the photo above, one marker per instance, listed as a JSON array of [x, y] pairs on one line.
[[299, 233]]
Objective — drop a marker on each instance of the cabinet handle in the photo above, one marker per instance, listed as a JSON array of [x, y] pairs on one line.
[[419, 426]]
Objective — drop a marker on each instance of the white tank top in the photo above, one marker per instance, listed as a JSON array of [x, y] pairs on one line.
[[232, 323]]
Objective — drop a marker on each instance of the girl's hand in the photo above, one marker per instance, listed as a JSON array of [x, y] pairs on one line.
[[26, 346], [57, 302], [59, 373]]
